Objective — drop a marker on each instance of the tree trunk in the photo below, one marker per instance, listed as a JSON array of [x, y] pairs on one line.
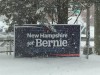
[[97, 28], [62, 10]]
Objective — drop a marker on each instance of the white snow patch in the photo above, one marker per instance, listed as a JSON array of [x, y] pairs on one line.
[[3, 26], [49, 66]]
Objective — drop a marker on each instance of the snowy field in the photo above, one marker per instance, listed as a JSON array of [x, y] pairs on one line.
[[49, 66]]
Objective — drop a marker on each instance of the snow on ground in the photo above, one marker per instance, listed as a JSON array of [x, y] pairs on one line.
[[9, 65]]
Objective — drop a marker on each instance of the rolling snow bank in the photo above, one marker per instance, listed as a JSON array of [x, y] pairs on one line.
[[49, 66]]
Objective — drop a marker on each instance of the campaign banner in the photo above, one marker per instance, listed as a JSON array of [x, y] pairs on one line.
[[34, 40]]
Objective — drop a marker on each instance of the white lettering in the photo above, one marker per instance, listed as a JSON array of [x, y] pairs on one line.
[[38, 42], [32, 35], [30, 43], [45, 43], [49, 43], [64, 43]]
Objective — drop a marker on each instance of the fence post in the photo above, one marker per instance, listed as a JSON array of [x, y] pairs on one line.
[[88, 32]]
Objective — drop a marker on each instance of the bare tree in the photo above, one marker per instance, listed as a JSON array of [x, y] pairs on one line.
[[97, 27]]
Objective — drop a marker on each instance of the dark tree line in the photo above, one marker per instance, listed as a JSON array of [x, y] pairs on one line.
[[24, 11]]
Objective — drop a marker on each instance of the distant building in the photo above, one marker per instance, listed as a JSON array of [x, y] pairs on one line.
[[3, 26]]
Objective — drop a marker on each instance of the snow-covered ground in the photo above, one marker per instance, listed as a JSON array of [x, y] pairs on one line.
[[49, 66]]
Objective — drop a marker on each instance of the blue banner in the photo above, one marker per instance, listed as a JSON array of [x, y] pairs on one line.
[[35, 40]]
